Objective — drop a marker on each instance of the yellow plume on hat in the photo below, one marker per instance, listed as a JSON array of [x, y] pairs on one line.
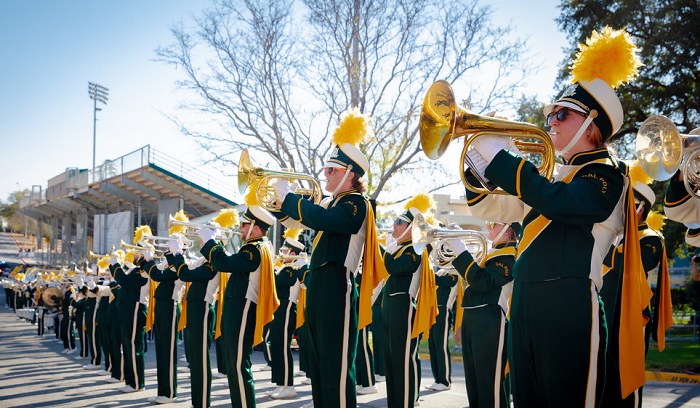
[[129, 257], [180, 229], [141, 232], [422, 202], [292, 233], [637, 173], [227, 218], [656, 220], [354, 128], [120, 255], [103, 263], [609, 55], [251, 197]]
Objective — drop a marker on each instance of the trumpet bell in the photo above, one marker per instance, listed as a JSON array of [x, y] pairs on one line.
[[442, 121], [247, 174], [659, 147]]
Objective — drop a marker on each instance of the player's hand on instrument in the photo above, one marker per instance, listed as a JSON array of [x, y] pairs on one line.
[[147, 255], [175, 245], [489, 146], [455, 245], [206, 234], [91, 283], [282, 188], [113, 259], [301, 261]]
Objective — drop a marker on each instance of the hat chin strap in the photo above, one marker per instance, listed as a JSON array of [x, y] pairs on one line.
[[342, 180], [577, 136], [250, 229], [408, 228], [500, 234]]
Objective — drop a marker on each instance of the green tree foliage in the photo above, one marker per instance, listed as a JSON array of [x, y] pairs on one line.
[[666, 33]]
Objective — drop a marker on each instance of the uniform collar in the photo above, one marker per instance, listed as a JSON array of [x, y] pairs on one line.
[[588, 156]]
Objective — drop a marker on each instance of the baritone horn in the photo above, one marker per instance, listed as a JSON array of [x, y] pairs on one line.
[[423, 234], [442, 121], [192, 228], [662, 150], [248, 173]]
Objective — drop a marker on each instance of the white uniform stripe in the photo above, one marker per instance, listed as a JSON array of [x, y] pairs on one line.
[[342, 386], [407, 355], [171, 349], [595, 347], [239, 353], [286, 341], [499, 363], [365, 355], [445, 356], [205, 371], [137, 381]]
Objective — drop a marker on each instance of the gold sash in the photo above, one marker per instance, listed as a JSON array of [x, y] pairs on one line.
[[426, 304], [267, 293]]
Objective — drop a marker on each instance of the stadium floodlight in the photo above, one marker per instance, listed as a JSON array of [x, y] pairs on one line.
[[98, 93]]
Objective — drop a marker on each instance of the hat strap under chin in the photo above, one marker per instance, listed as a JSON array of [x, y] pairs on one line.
[[500, 234], [342, 180], [578, 135]]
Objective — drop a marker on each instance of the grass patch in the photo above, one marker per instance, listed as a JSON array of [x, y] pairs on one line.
[[677, 357]]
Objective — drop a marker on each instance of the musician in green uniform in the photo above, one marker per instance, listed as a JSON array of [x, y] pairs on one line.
[[91, 332], [557, 334], [446, 281], [484, 319], [165, 323], [247, 298], [201, 317], [79, 317], [114, 333], [653, 254], [343, 223]]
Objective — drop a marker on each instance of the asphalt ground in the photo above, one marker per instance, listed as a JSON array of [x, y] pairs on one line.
[[34, 373]]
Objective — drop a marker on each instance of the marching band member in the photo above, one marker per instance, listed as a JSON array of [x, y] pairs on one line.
[[103, 323], [345, 231], [79, 317], [67, 332], [206, 286], [378, 333], [484, 319], [91, 332], [446, 281], [399, 310], [249, 298], [569, 224], [653, 255], [114, 330], [133, 296], [679, 204], [165, 322], [283, 325]]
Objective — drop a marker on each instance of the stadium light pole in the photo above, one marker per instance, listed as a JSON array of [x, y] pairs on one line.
[[97, 93]]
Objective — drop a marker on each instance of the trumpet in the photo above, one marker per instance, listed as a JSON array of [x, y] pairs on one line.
[[442, 121], [137, 248], [192, 228], [422, 234], [247, 174], [662, 150], [162, 242], [92, 255]]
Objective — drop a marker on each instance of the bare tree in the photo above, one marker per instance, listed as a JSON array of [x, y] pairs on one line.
[[275, 75]]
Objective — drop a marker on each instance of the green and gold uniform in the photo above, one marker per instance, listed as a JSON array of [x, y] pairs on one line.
[[201, 321], [439, 349], [283, 325], [652, 249], [238, 316], [331, 295], [398, 312], [556, 341], [485, 323]]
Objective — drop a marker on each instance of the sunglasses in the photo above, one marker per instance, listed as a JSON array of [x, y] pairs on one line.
[[561, 114], [493, 224], [399, 222]]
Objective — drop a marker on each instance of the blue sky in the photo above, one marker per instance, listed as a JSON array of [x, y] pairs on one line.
[[51, 49]]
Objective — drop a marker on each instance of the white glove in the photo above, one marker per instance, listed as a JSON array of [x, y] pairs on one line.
[[391, 247], [455, 245], [206, 234], [163, 264], [175, 246], [147, 254], [300, 262], [489, 146], [113, 260], [282, 188], [78, 281], [91, 284]]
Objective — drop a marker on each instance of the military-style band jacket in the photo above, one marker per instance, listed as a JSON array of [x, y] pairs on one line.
[[339, 222], [199, 276], [568, 224], [165, 278], [402, 266], [130, 283], [243, 266], [681, 206], [491, 282]]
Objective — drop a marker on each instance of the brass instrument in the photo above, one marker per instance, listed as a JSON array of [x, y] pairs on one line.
[[422, 234], [442, 121], [192, 228], [137, 248], [662, 150], [162, 242], [48, 294], [267, 199]]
